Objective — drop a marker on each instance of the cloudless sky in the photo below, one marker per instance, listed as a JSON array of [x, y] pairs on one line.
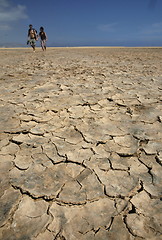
[[83, 22]]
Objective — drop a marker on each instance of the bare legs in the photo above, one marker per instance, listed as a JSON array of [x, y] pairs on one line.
[[32, 44], [43, 45]]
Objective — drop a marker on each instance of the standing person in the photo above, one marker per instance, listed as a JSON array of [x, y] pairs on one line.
[[43, 38], [32, 36]]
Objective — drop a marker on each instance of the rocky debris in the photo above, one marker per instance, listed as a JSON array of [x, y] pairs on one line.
[[81, 144]]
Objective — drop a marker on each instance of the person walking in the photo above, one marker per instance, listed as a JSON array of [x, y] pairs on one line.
[[32, 37], [43, 38]]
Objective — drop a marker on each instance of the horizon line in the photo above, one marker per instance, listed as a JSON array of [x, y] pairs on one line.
[[84, 47]]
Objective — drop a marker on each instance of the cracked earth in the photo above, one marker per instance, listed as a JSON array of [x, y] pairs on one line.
[[81, 144]]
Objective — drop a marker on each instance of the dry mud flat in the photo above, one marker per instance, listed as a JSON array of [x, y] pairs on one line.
[[81, 144]]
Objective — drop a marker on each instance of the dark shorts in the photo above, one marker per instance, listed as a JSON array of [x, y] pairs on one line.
[[32, 42]]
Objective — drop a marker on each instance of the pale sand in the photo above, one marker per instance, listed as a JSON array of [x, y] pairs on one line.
[[80, 143]]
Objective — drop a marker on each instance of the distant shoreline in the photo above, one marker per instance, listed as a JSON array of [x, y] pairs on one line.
[[26, 48]]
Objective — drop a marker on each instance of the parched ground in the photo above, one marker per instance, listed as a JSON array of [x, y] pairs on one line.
[[81, 144]]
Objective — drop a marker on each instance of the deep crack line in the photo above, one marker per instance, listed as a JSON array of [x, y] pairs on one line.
[[53, 199], [129, 229], [110, 225], [25, 192], [149, 170], [81, 135], [158, 160]]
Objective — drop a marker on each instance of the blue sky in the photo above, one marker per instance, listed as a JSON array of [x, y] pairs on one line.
[[83, 22]]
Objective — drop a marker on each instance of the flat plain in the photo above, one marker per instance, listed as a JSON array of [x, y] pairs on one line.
[[81, 144]]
